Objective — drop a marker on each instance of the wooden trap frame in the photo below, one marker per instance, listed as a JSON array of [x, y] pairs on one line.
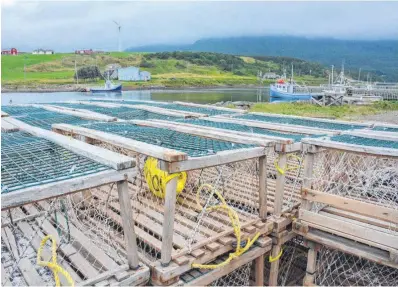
[[165, 224], [62, 211]]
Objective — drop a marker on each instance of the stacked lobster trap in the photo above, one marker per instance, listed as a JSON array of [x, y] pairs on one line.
[[54, 230], [195, 197], [349, 209]]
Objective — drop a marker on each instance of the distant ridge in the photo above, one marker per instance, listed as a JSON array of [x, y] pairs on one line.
[[378, 56]]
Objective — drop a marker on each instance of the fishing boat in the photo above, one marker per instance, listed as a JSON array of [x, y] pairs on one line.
[[109, 87], [287, 89]]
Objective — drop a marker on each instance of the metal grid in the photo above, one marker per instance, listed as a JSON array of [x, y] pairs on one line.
[[46, 120], [194, 146], [207, 111], [243, 128], [349, 139], [30, 161], [132, 102], [386, 129], [300, 122], [22, 110]]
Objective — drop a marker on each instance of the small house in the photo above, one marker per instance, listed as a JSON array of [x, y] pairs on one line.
[[145, 76], [270, 75], [129, 74], [13, 51]]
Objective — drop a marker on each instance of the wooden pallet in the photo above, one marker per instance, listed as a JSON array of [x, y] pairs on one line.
[[81, 258]]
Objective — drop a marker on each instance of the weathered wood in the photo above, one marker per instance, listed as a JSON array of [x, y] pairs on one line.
[[311, 266], [60, 188], [165, 111], [374, 134], [259, 270], [274, 269], [278, 127], [348, 204], [280, 184], [219, 158], [351, 147], [203, 132], [344, 228], [262, 187], [212, 107], [119, 141], [168, 224], [98, 154], [308, 162], [7, 127], [4, 114], [126, 214]]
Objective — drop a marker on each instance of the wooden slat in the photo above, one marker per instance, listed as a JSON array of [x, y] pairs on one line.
[[8, 127], [348, 204], [211, 107]]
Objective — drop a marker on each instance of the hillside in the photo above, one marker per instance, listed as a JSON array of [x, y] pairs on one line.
[[177, 69], [380, 57]]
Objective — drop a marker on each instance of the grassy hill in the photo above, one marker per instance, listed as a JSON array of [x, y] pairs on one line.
[[176, 69], [379, 57]]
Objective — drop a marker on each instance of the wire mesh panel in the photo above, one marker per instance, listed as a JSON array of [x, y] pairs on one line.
[[124, 113], [301, 122], [362, 141], [242, 128], [193, 145], [132, 102], [385, 129], [335, 268], [238, 277], [192, 109], [74, 233], [292, 264], [21, 110], [30, 161]]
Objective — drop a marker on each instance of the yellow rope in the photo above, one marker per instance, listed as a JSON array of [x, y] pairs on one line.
[[55, 268], [271, 259], [287, 167], [157, 179], [233, 216]]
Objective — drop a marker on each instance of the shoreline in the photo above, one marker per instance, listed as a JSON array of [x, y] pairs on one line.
[[83, 89]]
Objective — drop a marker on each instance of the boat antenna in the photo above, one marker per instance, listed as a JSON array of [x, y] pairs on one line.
[[119, 27]]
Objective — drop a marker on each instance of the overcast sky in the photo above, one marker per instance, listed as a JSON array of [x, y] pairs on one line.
[[65, 26]]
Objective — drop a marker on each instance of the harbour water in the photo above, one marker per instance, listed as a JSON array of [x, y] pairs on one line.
[[202, 96]]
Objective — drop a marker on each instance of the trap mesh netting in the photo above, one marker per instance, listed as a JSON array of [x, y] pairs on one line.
[[238, 277], [242, 128], [29, 161], [88, 242], [335, 268], [363, 177], [292, 264], [356, 140], [124, 113], [131, 102], [385, 129], [201, 110], [301, 122]]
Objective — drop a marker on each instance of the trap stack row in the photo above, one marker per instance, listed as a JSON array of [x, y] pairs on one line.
[[52, 223]]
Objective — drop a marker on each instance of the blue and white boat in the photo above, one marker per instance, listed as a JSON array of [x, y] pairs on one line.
[[282, 89], [109, 87]]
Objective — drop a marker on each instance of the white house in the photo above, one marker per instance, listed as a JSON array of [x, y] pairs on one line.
[[42, 52], [133, 74]]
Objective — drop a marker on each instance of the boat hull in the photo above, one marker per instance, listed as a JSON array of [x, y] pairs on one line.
[[274, 93], [117, 88]]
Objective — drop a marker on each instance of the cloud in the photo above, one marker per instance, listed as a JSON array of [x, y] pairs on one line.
[[65, 26]]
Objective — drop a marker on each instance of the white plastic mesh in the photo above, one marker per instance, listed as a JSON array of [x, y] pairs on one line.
[[335, 268]]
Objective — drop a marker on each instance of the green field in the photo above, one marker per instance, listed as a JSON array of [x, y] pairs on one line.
[[58, 70]]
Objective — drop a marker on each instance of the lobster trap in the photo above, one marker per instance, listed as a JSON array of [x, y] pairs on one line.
[[54, 231], [194, 197]]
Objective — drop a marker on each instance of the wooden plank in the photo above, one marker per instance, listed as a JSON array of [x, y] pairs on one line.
[[114, 160], [274, 269], [60, 188], [7, 127], [259, 270], [327, 143], [4, 114], [168, 224], [126, 213], [85, 114], [219, 158], [119, 141], [341, 227], [374, 134], [26, 267], [280, 184], [262, 176], [277, 127], [167, 111], [126, 101], [203, 132], [348, 204]]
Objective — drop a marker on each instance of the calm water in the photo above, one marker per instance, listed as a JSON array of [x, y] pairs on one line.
[[193, 95]]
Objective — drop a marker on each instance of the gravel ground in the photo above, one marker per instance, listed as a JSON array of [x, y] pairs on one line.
[[386, 117]]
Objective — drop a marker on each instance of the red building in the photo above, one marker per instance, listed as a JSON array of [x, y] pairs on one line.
[[84, 52], [13, 51]]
